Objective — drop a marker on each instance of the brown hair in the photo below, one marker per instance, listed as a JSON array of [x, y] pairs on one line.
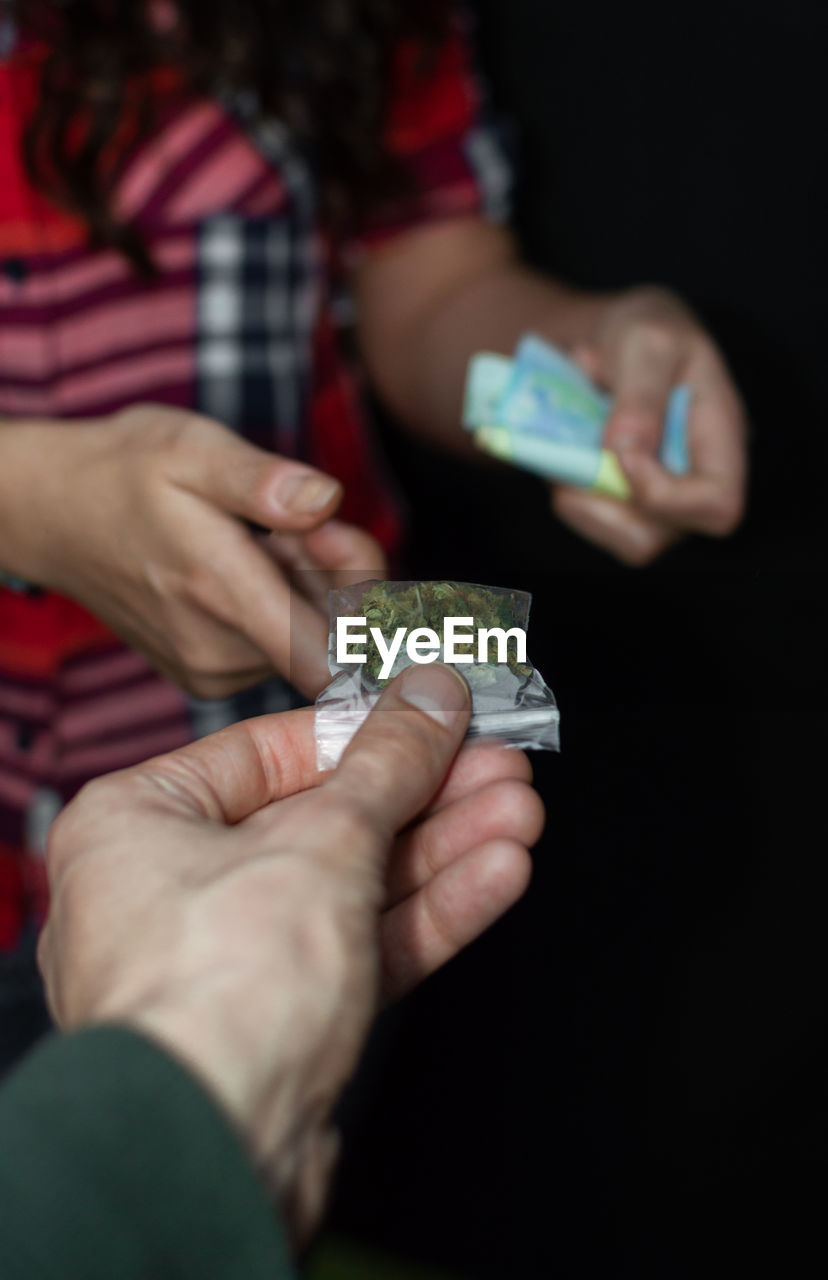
[[321, 66]]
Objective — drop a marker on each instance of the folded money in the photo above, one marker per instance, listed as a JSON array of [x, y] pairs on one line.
[[541, 412]]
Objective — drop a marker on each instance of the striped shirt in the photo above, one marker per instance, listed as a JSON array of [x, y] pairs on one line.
[[240, 325]]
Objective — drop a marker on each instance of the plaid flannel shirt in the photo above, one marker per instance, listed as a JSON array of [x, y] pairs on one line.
[[241, 326]]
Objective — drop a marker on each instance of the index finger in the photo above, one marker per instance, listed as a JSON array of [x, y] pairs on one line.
[[642, 375], [227, 776], [254, 597], [711, 498]]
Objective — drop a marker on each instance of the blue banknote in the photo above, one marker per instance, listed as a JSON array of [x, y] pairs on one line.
[[543, 395]]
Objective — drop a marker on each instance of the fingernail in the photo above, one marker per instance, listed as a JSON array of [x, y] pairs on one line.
[[439, 691], [308, 492]]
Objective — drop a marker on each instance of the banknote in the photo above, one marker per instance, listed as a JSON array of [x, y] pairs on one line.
[[549, 396], [554, 415], [487, 380]]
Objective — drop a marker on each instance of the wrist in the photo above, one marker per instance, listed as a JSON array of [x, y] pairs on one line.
[[575, 317], [31, 466], [230, 1066]]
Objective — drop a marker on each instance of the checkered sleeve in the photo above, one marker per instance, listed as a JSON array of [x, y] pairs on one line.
[[441, 130]]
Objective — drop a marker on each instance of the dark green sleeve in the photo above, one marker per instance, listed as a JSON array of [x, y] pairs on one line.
[[115, 1164]]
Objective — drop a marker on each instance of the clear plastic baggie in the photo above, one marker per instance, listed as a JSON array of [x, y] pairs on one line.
[[511, 702]]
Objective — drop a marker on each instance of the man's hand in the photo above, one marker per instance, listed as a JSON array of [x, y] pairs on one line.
[[645, 343], [141, 517], [250, 913]]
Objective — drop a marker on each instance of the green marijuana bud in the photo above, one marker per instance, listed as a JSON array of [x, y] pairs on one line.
[[389, 605]]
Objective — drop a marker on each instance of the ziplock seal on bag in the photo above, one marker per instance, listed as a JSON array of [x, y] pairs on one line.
[[368, 644]]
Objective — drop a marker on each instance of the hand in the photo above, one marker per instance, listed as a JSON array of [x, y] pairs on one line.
[[140, 517], [645, 343], [249, 913]]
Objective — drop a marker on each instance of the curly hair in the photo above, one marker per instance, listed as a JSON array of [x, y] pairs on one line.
[[320, 66]]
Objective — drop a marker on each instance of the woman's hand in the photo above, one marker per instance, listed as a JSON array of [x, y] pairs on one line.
[[433, 297], [645, 343], [250, 914], [141, 518]]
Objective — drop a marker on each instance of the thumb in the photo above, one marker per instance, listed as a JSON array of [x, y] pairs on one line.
[[238, 477], [399, 758]]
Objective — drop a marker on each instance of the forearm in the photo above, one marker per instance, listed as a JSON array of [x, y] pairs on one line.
[[486, 298], [489, 314]]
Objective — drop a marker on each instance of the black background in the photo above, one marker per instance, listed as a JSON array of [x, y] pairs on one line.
[[628, 1076]]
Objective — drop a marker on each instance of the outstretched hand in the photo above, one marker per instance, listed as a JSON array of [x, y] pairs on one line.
[[251, 914]]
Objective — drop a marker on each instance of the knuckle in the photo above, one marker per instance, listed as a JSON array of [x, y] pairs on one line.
[[525, 810], [138, 416], [656, 496], [510, 809], [180, 439], [657, 297], [66, 834], [397, 752], [653, 337], [156, 424], [182, 428], [656, 303], [637, 424], [348, 823]]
